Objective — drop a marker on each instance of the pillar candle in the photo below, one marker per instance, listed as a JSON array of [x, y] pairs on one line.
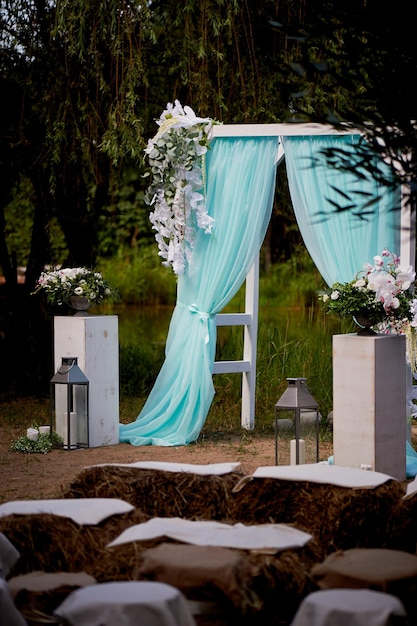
[[301, 451], [32, 433], [44, 430], [73, 430]]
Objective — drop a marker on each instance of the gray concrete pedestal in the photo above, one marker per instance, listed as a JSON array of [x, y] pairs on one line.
[[369, 403], [94, 341]]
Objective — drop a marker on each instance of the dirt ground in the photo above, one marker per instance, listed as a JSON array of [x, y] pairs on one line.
[[37, 476]]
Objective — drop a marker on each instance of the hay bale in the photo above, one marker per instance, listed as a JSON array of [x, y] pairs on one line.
[[38, 594], [403, 524], [276, 587], [203, 573], [282, 583], [337, 517], [53, 543], [159, 493]]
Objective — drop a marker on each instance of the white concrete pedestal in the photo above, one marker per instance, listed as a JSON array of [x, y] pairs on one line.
[[94, 341], [369, 403]]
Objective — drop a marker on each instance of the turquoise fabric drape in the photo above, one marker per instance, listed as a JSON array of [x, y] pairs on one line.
[[339, 243], [240, 184]]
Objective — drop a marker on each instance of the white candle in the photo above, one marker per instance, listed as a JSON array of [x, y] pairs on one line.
[[44, 430], [73, 430], [32, 433], [301, 452]]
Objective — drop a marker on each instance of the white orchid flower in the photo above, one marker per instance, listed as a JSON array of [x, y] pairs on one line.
[[378, 281], [388, 300], [405, 276]]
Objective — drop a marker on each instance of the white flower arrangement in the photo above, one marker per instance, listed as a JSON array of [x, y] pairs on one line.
[[176, 193], [383, 292], [62, 284]]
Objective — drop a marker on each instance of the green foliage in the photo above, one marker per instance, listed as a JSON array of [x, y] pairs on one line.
[[18, 412], [124, 224], [139, 367], [142, 280], [92, 77], [103, 44], [139, 276], [18, 216], [222, 58], [294, 281], [85, 87], [18, 222], [125, 221]]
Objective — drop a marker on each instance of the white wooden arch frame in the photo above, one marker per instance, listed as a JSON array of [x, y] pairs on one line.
[[249, 319]]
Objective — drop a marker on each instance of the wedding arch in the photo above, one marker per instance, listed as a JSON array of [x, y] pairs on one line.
[[239, 187]]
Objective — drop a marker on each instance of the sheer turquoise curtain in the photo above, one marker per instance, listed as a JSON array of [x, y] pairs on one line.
[[340, 243], [240, 186]]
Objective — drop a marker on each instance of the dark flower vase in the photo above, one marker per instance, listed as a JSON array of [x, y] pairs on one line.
[[81, 304], [364, 324]]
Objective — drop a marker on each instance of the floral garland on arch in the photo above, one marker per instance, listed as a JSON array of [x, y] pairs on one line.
[[176, 193]]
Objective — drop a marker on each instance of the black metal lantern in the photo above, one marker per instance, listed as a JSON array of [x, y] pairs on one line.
[[295, 398], [73, 404]]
